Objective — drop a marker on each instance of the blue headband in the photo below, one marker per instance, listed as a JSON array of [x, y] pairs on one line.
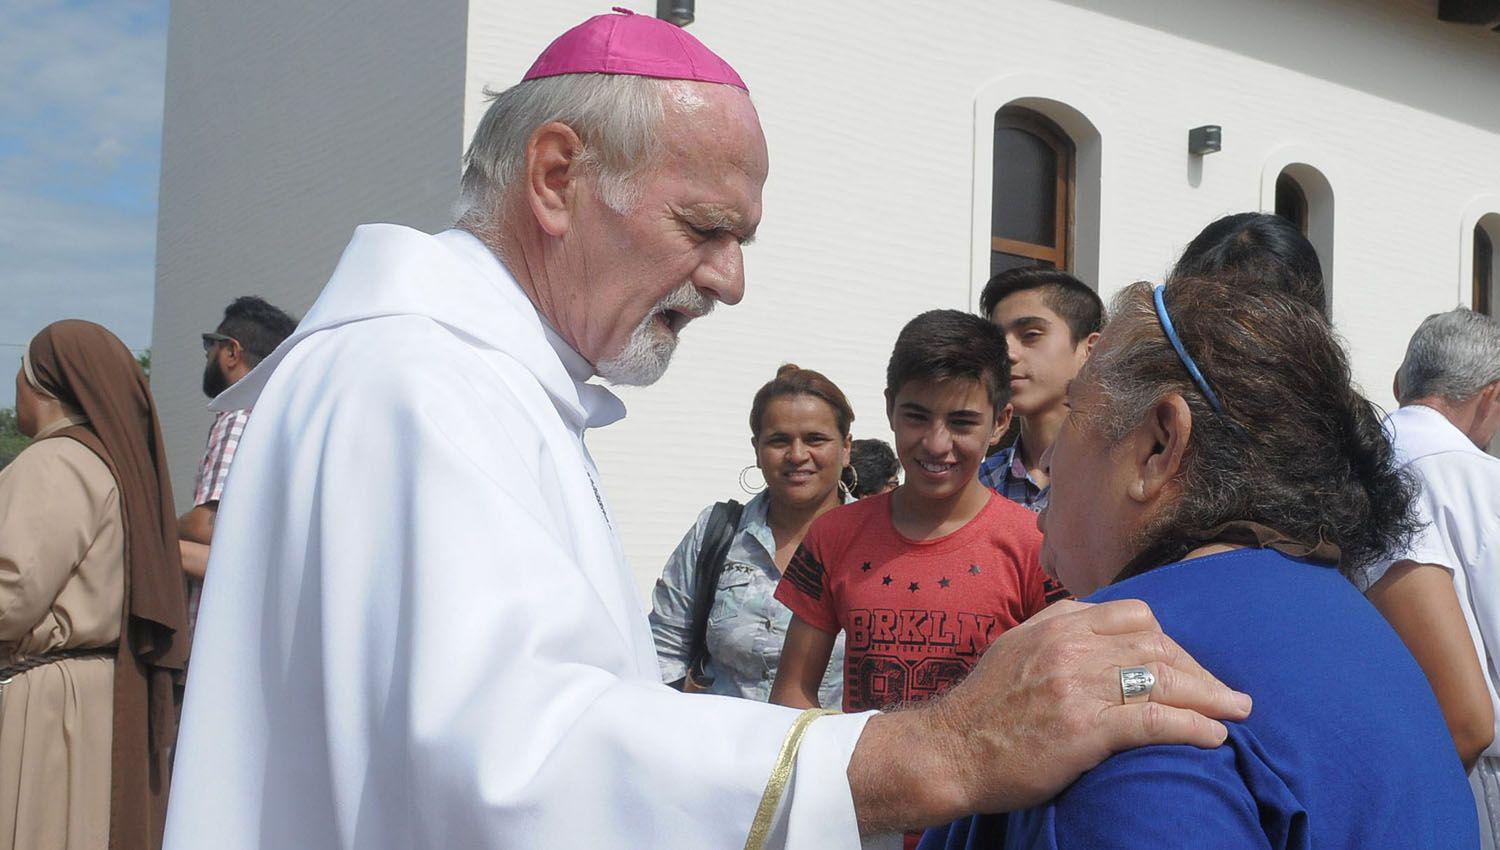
[[1187, 360]]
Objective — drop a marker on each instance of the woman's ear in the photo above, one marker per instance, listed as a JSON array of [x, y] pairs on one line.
[[551, 154], [1161, 445]]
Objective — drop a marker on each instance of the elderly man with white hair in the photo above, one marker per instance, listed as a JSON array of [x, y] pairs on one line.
[[1443, 594], [425, 634]]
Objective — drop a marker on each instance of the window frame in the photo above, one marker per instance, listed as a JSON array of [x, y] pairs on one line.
[[1060, 255]]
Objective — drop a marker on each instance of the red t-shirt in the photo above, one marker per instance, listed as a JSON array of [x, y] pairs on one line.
[[916, 614]]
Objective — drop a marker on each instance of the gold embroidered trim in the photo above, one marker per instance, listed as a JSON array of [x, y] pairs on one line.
[[781, 775]]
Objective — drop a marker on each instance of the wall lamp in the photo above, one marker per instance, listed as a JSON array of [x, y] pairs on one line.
[[679, 12], [1206, 139]]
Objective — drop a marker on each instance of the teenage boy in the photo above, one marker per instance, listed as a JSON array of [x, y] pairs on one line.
[[923, 578], [1051, 321]]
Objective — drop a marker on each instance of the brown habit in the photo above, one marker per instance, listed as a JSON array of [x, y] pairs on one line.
[[91, 371]]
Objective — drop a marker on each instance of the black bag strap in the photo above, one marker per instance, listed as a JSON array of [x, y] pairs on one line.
[[718, 535]]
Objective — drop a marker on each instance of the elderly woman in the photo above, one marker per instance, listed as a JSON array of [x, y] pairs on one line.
[[799, 428], [1417, 599], [1217, 464], [91, 603]]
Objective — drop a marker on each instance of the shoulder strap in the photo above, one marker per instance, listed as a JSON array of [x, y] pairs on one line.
[[718, 535]]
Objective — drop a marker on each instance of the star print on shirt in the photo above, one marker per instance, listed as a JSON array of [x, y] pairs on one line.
[[865, 567], [973, 569], [886, 580], [912, 587], [944, 582]]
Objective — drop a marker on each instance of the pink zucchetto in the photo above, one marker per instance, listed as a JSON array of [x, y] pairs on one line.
[[638, 45]]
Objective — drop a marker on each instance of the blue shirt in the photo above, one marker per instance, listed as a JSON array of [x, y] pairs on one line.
[[1345, 748]]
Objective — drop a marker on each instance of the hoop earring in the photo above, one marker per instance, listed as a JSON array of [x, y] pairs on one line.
[[746, 487], [851, 486]]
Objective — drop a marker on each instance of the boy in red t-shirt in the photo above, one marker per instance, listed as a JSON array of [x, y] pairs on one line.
[[921, 579]]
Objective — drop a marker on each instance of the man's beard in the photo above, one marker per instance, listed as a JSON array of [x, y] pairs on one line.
[[214, 381], [646, 354]]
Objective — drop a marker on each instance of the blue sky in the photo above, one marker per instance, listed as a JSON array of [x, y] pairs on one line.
[[80, 154]]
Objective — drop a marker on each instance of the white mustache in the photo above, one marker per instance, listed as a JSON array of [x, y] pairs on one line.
[[687, 300]]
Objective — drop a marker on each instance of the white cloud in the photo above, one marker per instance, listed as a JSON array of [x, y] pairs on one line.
[[80, 74]]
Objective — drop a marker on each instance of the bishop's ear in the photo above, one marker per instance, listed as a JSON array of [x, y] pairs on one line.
[[553, 156]]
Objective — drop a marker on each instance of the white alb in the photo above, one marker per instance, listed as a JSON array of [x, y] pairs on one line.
[[419, 630]]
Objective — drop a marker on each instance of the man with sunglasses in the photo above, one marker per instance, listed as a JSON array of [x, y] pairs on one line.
[[251, 329]]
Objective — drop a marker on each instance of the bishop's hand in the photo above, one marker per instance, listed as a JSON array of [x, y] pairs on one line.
[[1042, 706]]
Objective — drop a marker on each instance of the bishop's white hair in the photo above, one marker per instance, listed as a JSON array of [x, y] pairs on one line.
[[617, 117]]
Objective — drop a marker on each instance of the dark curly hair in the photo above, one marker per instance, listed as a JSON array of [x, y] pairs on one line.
[[1298, 449]]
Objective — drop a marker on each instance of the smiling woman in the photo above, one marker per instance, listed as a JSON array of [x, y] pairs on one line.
[[799, 426]]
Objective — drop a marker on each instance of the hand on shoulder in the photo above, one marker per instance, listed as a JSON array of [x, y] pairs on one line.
[[1042, 706]]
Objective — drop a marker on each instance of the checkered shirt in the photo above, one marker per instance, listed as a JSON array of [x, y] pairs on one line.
[[1004, 473], [223, 440]]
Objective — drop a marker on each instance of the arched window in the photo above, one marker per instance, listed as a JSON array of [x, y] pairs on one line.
[[1303, 195], [1291, 201], [1031, 215], [1486, 264]]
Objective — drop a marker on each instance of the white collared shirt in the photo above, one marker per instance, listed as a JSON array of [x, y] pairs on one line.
[[1459, 506]]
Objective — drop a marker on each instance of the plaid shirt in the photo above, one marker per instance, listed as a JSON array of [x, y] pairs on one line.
[[1004, 473], [223, 440]]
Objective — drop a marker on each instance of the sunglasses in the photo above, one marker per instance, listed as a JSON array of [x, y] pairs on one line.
[[211, 340]]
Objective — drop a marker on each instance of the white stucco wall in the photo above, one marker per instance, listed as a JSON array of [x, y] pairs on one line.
[[878, 119]]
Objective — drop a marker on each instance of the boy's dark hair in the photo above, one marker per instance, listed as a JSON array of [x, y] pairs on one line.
[[257, 325], [1262, 248], [1064, 294], [943, 344]]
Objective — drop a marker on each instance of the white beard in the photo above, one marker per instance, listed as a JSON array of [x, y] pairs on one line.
[[646, 355]]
